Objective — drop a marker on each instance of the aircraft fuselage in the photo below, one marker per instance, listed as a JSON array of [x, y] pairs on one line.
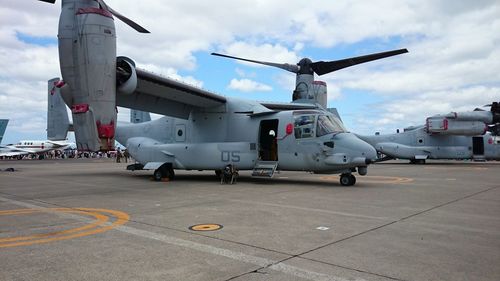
[[212, 140]]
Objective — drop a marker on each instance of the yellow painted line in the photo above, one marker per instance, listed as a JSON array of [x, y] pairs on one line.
[[89, 229], [101, 219], [374, 179]]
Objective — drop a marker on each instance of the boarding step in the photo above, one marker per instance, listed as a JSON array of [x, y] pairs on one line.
[[264, 169], [478, 158]]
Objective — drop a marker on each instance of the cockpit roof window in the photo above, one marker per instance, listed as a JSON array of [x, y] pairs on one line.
[[328, 125]]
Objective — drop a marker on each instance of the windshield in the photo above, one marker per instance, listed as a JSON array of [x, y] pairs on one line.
[[304, 126], [328, 125]]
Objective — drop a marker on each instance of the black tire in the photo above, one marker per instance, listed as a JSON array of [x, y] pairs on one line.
[[353, 179], [158, 174], [345, 179], [170, 174], [218, 173]]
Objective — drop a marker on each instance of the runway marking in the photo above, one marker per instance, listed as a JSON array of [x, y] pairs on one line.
[[205, 227], [264, 263], [374, 179], [89, 229], [457, 168], [310, 209]]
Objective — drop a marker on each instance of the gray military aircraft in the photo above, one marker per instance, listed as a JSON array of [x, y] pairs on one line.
[[457, 135], [203, 130]]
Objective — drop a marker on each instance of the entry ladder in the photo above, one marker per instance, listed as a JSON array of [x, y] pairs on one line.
[[264, 169]]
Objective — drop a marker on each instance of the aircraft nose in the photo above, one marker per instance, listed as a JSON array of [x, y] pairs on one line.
[[369, 152], [358, 148]]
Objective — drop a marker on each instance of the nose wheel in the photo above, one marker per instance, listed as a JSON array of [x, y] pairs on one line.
[[163, 172], [347, 179]]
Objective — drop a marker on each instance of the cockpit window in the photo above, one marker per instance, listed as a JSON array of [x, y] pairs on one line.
[[328, 125], [304, 126]]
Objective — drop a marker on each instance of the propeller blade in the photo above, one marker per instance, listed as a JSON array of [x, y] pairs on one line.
[[288, 67], [123, 18], [48, 1], [324, 67]]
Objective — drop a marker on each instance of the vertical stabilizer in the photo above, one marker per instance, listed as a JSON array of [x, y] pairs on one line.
[[137, 116], [334, 111], [3, 126], [57, 114]]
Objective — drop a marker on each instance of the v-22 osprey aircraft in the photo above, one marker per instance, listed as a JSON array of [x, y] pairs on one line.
[[456, 135], [203, 130]]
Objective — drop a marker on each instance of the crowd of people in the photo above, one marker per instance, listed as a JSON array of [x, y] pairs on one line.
[[119, 155]]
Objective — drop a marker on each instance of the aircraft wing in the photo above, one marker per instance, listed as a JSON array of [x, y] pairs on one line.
[[6, 151], [288, 106], [58, 144], [166, 96]]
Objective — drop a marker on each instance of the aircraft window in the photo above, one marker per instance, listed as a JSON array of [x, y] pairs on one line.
[[304, 126], [328, 125]]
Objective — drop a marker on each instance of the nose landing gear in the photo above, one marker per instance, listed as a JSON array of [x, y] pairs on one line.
[[347, 179], [164, 172]]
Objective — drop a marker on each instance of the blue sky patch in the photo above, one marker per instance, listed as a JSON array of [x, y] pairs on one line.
[[36, 40]]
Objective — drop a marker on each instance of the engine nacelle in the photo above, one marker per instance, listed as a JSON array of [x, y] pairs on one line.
[[87, 54], [126, 77], [481, 116], [445, 126]]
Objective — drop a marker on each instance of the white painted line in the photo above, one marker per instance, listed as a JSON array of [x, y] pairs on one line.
[[262, 262], [322, 228], [310, 209]]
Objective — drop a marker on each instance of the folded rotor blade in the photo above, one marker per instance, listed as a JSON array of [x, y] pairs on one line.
[[324, 67], [123, 18], [288, 67]]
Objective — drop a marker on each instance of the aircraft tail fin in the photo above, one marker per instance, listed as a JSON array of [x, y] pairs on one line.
[[58, 123], [3, 126], [137, 116], [334, 111]]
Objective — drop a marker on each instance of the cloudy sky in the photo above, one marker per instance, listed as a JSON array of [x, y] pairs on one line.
[[453, 63]]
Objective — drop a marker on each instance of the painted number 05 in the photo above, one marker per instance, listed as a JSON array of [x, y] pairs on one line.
[[230, 156]]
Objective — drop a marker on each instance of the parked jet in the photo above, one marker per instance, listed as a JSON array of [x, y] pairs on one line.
[[203, 130], [25, 147], [457, 135]]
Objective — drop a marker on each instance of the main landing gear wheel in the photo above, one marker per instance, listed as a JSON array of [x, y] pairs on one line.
[[347, 179], [218, 173], [163, 172]]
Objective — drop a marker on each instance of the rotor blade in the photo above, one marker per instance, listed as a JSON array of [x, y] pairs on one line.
[[48, 1], [288, 67], [123, 18], [324, 67]]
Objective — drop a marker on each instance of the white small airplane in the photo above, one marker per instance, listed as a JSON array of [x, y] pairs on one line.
[[25, 147]]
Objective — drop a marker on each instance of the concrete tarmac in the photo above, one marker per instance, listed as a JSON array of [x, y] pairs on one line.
[[81, 219]]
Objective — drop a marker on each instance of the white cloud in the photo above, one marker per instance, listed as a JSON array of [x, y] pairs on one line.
[[247, 85], [264, 52], [412, 111]]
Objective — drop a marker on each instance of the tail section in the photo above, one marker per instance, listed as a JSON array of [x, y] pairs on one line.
[[58, 123], [137, 116], [3, 126]]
